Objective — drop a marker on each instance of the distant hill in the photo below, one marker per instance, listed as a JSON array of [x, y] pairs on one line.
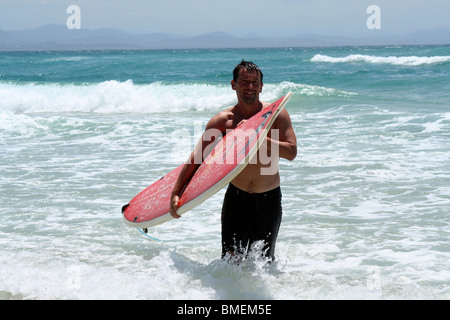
[[59, 37]]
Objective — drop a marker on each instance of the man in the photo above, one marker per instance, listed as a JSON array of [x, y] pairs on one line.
[[251, 212]]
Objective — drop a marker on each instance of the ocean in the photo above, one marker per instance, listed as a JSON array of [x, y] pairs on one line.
[[366, 203]]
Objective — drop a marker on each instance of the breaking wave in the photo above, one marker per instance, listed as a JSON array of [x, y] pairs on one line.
[[401, 61], [126, 97]]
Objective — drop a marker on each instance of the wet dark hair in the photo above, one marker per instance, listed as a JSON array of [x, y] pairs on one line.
[[249, 66]]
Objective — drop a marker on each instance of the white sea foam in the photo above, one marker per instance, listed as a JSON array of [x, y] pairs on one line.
[[114, 97], [402, 61], [365, 203], [364, 212], [111, 97]]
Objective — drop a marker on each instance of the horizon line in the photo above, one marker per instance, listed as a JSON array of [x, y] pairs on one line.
[[140, 33]]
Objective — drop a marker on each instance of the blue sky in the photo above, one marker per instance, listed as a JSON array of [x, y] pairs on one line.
[[238, 17]]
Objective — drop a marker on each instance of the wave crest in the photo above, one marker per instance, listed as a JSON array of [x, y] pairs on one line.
[[111, 97], [114, 97], [401, 61]]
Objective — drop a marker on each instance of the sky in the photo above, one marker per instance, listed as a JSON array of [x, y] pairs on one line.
[[237, 17]]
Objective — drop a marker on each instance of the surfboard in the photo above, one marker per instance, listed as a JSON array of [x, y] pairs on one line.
[[225, 161]]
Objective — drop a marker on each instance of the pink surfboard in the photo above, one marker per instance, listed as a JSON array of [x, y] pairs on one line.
[[226, 160]]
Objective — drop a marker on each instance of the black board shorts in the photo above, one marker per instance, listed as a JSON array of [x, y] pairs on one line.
[[248, 218]]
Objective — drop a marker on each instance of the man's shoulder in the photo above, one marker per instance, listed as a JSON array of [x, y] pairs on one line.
[[265, 104], [219, 121], [283, 120], [224, 115]]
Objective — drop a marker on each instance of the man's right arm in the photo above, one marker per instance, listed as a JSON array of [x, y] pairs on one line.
[[185, 175], [217, 123]]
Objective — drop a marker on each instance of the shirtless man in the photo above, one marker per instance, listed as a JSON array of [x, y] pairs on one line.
[[251, 209]]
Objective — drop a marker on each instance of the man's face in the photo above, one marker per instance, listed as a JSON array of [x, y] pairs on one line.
[[248, 86]]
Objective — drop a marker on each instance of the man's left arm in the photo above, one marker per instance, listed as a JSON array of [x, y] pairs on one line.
[[287, 140]]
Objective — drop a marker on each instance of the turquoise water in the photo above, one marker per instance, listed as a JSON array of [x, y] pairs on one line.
[[366, 202]]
